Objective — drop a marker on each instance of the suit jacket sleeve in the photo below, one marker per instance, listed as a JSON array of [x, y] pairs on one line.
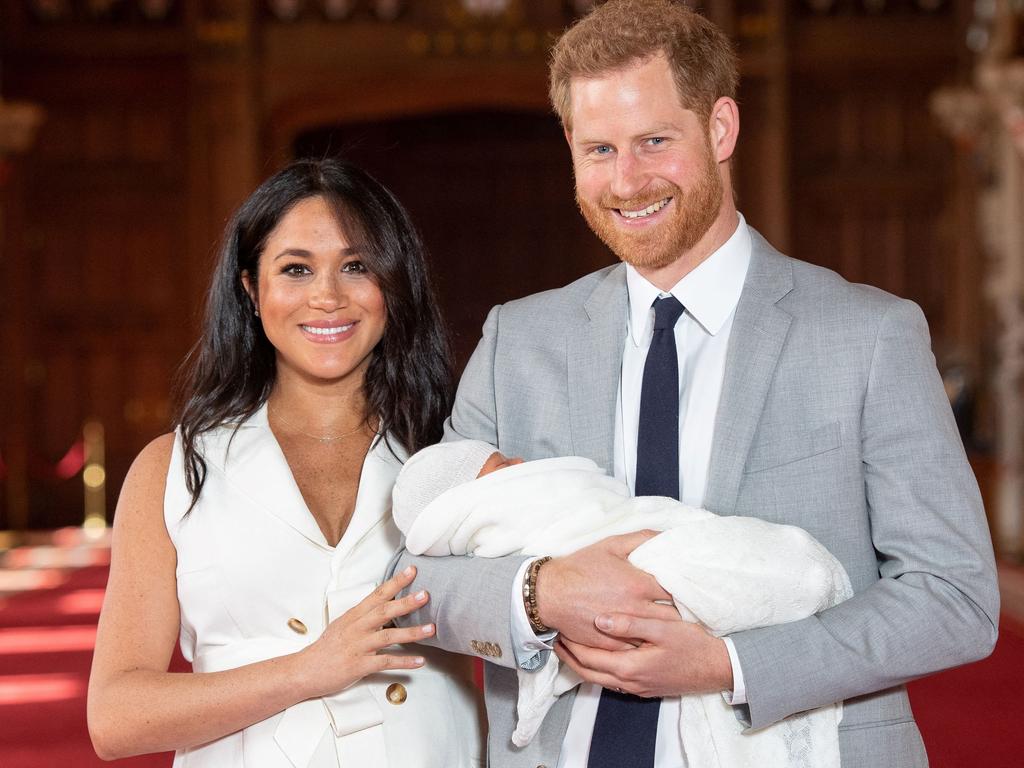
[[469, 596], [936, 603]]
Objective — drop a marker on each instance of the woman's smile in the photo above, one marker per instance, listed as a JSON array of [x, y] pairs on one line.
[[329, 332]]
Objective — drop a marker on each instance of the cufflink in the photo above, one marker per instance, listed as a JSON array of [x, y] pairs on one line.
[[492, 650]]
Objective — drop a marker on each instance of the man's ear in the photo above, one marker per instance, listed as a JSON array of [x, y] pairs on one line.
[[724, 127], [567, 132]]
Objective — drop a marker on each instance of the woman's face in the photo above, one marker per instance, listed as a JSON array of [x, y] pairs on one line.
[[320, 307]]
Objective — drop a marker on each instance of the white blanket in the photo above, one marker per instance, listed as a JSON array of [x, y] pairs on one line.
[[726, 573]]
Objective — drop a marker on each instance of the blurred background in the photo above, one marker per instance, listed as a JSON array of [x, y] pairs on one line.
[[880, 138]]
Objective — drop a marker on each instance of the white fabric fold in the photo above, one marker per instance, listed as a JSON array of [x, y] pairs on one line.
[[303, 725], [726, 573], [339, 601]]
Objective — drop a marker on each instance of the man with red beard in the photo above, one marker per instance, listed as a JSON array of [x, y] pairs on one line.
[[711, 368]]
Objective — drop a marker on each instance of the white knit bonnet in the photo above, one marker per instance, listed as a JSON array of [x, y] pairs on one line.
[[431, 472]]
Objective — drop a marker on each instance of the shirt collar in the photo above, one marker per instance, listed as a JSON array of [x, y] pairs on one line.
[[710, 292]]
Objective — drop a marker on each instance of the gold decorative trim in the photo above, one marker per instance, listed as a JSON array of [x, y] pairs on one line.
[[18, 124], [222, 33]]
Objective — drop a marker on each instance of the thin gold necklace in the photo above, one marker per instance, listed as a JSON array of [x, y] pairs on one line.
[[320, 438]]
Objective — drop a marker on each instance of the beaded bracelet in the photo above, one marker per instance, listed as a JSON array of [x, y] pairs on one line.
[[530, 596]]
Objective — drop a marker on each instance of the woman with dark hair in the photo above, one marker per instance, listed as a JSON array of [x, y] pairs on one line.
[[260, 530]]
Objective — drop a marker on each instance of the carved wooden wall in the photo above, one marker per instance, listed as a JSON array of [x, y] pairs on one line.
[[97, 263], [872, 178], [497, 213], [163, 114]]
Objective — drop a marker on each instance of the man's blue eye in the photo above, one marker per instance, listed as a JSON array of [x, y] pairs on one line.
[[604, 149], [657, 140]]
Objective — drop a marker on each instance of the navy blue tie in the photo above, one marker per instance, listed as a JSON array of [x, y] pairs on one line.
[[657, 439], [626, 728]]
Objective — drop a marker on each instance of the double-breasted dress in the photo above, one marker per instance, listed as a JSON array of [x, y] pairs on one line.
[[256, 579]]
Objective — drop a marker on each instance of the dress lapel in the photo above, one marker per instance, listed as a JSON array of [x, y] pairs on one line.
[[254, 465], [373, 498], [254, 460], [758, 334], [594, 360]]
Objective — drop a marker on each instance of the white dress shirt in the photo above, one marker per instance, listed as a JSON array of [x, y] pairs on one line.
[[709, 294]]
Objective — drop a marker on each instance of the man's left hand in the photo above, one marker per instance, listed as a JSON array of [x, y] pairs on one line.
[[669, 658]]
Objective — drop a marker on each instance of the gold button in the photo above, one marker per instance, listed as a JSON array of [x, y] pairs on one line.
[[297, 626], [396, 693]]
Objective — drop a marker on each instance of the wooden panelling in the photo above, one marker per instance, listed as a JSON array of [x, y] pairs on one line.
[[871, 182], [157, 131], [760, 164], [100, 263], [492, 195]]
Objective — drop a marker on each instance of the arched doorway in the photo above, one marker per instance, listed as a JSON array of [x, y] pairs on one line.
[[491, 192]]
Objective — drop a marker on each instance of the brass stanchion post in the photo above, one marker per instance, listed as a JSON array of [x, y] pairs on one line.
[[94, 480]]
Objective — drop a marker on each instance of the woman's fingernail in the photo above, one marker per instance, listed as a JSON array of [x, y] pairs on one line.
[[428, 629], [419, 660], [409, 570], [421, 595]]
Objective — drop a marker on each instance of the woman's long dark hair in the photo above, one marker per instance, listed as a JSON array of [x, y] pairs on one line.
[[230, 371]]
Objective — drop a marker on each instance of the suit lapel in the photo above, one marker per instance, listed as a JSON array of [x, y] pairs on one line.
[[594, 359], [758, 334]]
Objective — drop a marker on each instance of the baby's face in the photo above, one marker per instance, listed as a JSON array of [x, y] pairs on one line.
[[497, 461]]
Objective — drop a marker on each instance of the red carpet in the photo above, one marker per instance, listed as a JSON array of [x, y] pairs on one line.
[[969, 716], [46, 641]]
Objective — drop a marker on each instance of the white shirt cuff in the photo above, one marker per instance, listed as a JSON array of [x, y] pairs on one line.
[[526, 645], [739, 690]]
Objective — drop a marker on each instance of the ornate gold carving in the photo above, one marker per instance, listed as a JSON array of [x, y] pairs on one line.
[[475, 43], [462, 13], [18, 124], [757, 26], [221, 33]]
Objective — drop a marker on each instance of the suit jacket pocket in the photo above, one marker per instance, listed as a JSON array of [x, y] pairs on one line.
[[793, 447]]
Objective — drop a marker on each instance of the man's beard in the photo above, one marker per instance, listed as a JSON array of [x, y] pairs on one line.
[[692, 214]]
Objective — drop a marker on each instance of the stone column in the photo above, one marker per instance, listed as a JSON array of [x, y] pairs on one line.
[[987, 120], [1003, 222]]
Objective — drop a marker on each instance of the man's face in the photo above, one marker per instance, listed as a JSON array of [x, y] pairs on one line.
[[647, 180]]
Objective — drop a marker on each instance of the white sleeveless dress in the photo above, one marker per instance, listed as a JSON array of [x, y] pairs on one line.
[[254, 569]]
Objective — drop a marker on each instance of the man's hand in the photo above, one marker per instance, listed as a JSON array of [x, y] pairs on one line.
[[573, 590], [673, 658]]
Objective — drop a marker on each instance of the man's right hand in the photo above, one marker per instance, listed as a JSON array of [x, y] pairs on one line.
[[573, 590]]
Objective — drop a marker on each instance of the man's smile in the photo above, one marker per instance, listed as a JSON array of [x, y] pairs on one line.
[[642, 213]]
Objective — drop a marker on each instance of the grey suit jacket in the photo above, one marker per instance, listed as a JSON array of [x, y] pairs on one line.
[[832, 417]]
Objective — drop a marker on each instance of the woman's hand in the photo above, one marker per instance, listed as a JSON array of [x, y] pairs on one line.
[[349, 649]]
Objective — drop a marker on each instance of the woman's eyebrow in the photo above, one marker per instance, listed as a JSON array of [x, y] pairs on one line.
[[350, 250], [301, 252]]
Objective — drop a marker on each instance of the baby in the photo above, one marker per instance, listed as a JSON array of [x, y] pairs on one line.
[[726, 573]]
